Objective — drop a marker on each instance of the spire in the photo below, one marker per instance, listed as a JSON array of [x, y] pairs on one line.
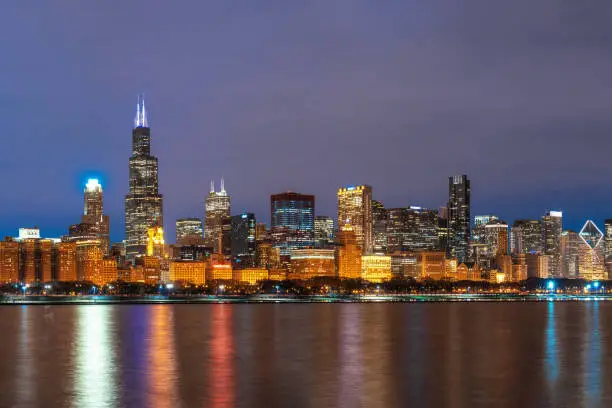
[[141, 113], [222, 185], [212, 186]]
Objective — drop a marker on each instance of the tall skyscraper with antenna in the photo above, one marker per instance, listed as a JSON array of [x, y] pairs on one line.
[[217, 214], [143, 204]]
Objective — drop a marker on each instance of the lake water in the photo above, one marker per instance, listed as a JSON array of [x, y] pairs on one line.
[[308, 355]]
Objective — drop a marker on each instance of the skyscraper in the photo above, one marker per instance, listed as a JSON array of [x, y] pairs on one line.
[[570, 254], [355, 208], [292, 221], [552, 227], [93, 213], [412, 229], [324, 231], [189, 228], [242, 239], [380, 219], [143, 204], [458, 216], [591, 253], [526, 237], [217, 212], [608, 246]]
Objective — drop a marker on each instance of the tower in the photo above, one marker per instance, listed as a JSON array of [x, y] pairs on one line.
[[552, 227], [355, 208], [458, 216], [217, 212], [93, 214], [143, 203], [292, 221]]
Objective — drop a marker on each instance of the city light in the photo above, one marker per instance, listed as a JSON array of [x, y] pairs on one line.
[[550, 285]]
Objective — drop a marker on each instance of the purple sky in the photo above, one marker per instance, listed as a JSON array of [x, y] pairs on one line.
[[308, 96]]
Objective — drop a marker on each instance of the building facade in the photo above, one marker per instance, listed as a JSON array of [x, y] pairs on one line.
[[324, 231], [242, 239], [552, 227], [459, 192], [292, 221], [355, 208], [143, 203], [189, 230], [218, 204]]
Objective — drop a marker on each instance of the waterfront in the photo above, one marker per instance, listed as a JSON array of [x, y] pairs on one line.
[[465, 354]]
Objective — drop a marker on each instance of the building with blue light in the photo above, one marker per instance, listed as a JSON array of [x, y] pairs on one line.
[[292, 221]]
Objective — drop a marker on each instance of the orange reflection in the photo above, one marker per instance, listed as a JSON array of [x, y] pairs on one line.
[[222, 358], [161, 357]]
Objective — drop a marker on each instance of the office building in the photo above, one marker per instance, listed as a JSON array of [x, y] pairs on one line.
[[242, 239], [570, 254], [380, 219], [324, 231], [608, 246], [458, 217], [348, 253], [552, 227], [9, 261], [143, 203], [218, 204], [495, 237], [292, 221], [412, 229], [250, 276], [267, 256], [193, 272], [478, 232], [311, 263], [189, 231], [443, 229], [591, 253], [355, 208], [526, 237], [156, 244], [376, 268], [65, 261]]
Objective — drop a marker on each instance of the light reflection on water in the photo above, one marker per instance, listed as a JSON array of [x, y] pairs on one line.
[[350, 355]]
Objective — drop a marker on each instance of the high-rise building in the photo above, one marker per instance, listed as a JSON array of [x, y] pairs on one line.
[[143, 204], [591, 253], [608, 246], [93, 212], [292, 221], [477, 235], [458, 217], [311, 263], [242, 238], [495, 237], [9, 261], [348, 253], [552, 227], [526, 237], [323, 231], [156, 244], [443, 229], [380, 219], [355, 208], [35, 260], [570, 254], [412, 229], [217, 212], [189, 229]]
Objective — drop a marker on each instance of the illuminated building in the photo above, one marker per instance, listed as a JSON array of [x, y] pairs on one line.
[[151, 267], [35, 260], [526, 237], [403, 264], [89, 256], [412, 229], [323, 231], [431, 265], [277, 274], [250, 276], [9, 261], [380, 219], [242, 239], [261, 232], [155, 242], [519, 268], [143, 203], [93, 213], [267, 256], [218, 268], [608, 246], [292, 221], [118, 252], [311, 263], [217, 211], [194, 252], [443, 229], [189, 229], [348, 253], [552, 227], [65, 261], [570, 253], [107, 272], [193, 272], [355, 208], [496, 238], [591, 253], [376, 268], [458, 217], [538, 266], [478, 232], [503, 262]]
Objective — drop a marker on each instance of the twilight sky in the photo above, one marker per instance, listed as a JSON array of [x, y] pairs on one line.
[[308, 96]]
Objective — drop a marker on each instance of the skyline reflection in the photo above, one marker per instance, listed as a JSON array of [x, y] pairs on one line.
[[221, 378], [161, 357]]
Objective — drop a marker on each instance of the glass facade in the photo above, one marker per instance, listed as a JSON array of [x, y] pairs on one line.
[[458, 217], [292, 221], [355, 208]]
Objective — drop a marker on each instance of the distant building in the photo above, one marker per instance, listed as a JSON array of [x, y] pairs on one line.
[[193, 272], [458, 217], [591, 253], [323, 231], [538, 266], [570, 254], [292, 221], [526, 237], [311, 263], [242, 238], [478, 232], [9, 261], [552, 227], [348, 253], [355, 208], [608, 246], [496, 237], [218, 205], [412, 229], [380, 219], [143, 204], [188, 229], [156, 243], [267, 256], [65, 261], [376, 268]]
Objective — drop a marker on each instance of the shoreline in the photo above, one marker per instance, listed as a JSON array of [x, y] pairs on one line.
[[253, 299]]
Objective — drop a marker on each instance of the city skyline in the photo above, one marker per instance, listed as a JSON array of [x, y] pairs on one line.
[[396, 82]]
